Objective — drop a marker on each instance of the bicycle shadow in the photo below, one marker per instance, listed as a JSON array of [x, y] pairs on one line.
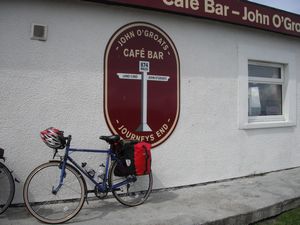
[[15, 214], [95, 210], [110, 208], [98, 209], [162, 196]]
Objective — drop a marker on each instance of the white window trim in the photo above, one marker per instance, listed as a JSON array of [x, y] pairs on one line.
[[251, 53]]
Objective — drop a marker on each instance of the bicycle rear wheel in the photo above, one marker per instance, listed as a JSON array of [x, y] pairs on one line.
[[47, 206], [7, 187], [131, 190]]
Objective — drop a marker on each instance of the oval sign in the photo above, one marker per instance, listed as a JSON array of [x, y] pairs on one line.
[[141, 83]]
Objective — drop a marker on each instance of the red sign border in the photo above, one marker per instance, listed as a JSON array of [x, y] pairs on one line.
[[107, 49], [159, 6]]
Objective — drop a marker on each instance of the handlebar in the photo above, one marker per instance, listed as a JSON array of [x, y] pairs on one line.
[[68, 139]]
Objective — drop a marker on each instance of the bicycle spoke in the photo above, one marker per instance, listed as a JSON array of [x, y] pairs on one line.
[[134, 191], [51, 207]]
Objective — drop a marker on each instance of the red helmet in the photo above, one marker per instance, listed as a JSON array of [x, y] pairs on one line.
[[53, 138]]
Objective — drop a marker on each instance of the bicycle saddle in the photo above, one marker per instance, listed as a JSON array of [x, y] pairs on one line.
[[110, 139]]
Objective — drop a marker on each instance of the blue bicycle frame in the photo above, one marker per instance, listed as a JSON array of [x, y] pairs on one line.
[[101, 186]]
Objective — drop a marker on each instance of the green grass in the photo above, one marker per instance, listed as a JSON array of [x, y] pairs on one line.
[[288, 218]]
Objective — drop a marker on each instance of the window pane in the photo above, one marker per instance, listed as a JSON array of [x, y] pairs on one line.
[[264, 99], [264, 71]]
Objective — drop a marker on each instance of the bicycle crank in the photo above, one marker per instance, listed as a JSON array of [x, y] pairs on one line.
[[100, 195]]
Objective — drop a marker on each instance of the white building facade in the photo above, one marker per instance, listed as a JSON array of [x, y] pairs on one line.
[[238, 90]]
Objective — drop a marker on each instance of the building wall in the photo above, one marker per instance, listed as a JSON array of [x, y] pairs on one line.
[[59, 83]]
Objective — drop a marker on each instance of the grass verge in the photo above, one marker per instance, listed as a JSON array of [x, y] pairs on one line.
[[291, 217]]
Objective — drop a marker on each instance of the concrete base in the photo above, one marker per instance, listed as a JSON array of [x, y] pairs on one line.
[[236, 202]]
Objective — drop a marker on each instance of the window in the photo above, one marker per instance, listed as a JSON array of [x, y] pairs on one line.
[[267, 88]]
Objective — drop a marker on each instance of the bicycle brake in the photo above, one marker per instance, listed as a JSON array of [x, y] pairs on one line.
[[55, 152]]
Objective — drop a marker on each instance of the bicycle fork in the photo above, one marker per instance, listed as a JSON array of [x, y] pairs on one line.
[[62, 167]]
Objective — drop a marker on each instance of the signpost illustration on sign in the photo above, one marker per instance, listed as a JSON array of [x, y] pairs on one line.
[[141, 83], [144, 69]]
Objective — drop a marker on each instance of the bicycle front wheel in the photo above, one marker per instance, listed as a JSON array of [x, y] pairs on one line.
[[7, 187], [48, 206], [131, 190]]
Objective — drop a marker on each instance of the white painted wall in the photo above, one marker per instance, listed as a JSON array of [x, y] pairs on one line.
[[60, 83]]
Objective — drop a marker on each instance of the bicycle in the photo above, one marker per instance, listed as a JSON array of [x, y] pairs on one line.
[[7, 184], [60, 196]]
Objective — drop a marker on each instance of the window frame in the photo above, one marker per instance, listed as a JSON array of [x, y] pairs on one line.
[[262, 54]]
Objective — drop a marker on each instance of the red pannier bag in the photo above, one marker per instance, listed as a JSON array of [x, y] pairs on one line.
[[142, 158]]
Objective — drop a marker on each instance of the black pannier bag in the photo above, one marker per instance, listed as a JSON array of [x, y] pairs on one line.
[[122, 170]]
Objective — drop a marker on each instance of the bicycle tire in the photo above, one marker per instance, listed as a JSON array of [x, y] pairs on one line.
[[54, 208], [134, 193], [7, 184]]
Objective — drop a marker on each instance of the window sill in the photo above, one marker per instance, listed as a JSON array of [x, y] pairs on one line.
[[270, 124]]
